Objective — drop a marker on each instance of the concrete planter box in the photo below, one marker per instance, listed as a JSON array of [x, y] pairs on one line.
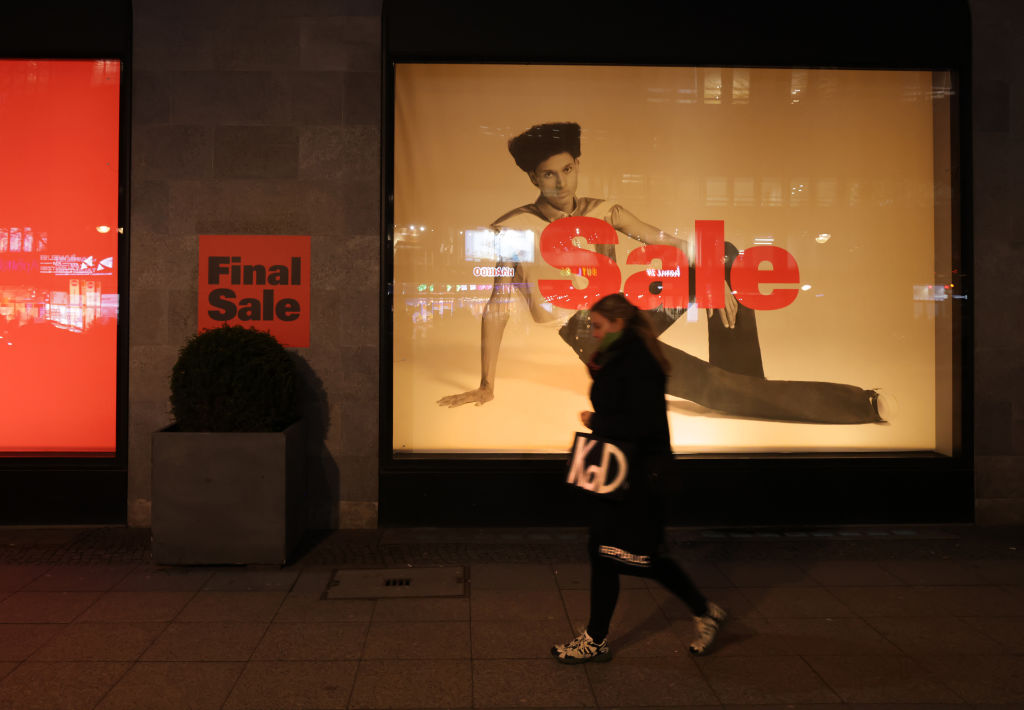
[[227, 498]]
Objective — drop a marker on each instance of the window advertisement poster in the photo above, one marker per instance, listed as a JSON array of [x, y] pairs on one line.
[[258, 281], [59, 235], [788, 233]]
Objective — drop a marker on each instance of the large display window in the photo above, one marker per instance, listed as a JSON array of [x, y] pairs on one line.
[[783, 188], [59, 255], [789, 231], [65, 80]]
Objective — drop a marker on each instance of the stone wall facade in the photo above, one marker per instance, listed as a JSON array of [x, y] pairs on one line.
[[263, 117], [998, 133]]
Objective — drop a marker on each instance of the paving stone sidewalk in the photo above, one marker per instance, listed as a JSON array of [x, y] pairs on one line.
[[865, 617]]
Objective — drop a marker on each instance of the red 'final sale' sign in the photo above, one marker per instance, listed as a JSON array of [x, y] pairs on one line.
[[258, 281]]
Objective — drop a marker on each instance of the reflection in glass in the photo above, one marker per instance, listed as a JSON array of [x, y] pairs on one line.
[[510, 245], [771, 192], [712, 86], [798, 192], [743, 192], [716, 192], [797, 85], [825, 191], [740, 86]]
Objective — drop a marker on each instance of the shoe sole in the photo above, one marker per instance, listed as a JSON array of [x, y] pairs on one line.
[[600, 658]]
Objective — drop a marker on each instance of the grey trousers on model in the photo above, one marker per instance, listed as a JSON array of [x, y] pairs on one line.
[[733, 381]]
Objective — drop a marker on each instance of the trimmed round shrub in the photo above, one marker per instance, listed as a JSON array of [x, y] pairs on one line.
[[233, 378]]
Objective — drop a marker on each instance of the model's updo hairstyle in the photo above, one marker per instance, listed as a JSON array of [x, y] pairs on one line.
[[614, 306], [535, 145]]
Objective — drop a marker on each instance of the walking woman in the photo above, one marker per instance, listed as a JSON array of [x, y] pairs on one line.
[[628, 395]]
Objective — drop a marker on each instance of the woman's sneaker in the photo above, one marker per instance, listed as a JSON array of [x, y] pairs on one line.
[[581, 650], [707, 629]]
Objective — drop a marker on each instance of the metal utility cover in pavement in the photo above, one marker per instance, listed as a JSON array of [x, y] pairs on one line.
[[397, 583]]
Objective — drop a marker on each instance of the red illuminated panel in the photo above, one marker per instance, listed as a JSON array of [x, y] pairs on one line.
[[58, 255]]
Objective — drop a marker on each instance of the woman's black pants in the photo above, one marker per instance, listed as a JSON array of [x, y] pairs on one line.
[[604, 587]]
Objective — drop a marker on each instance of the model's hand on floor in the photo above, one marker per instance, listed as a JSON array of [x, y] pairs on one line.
[[481, 395]]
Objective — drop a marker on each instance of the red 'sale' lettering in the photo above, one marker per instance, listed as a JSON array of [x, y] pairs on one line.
[[710, 265], [747, 277], [673, 275], [557, 249], [603, 275]]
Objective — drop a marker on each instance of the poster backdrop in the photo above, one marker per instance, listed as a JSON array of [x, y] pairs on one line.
[[58, 255], [835, 169]]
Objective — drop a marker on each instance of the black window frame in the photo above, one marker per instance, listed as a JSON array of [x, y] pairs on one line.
[[868, 488], [77, 488]]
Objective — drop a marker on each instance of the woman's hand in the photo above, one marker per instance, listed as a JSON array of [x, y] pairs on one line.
[[585, 418]]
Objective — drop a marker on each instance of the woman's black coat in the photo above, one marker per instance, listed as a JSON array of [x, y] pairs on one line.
[[628, 397]]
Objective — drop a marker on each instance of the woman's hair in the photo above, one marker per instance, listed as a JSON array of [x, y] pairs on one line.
[[614, 306]]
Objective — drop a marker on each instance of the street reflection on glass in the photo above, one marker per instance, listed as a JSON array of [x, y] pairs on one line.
[[59, 123]]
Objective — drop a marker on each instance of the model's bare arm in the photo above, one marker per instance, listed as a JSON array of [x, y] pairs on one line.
[[492, 327], [627, 223]]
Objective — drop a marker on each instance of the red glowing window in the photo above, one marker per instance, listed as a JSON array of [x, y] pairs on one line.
[[59, 233]]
